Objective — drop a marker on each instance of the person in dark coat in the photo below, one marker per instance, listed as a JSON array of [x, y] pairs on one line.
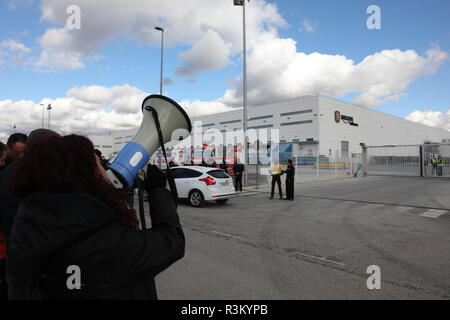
[[70, 217], [224, 166], [3, 287], [3, 154], [16, 144], [10, 203], [290, 177], [238, 170]]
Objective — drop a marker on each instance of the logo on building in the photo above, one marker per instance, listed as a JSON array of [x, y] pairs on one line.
[[345, 119], [337, 116]]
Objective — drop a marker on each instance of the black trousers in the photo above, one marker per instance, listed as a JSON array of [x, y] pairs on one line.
[[238, 182], [290, 189], [276, 179]]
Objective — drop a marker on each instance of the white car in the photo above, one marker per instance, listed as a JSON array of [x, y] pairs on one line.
[[199, 184]]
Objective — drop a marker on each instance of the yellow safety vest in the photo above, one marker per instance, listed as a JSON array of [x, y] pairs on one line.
[[276, 169], [440, 163]]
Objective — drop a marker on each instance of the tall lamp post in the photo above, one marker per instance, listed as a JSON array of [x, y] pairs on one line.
[[242, 3], [49, 107], [43, 108], [162, 57]]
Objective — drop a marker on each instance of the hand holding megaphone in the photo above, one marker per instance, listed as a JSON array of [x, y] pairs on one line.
[[162, 116]]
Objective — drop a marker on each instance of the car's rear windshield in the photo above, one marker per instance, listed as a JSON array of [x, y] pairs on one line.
[[219, 174]]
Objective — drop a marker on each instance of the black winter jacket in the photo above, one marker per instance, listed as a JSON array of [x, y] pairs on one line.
[[9, 203], [55, 231]]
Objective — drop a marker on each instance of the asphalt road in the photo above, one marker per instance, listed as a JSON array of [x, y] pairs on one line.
[[320, 245]]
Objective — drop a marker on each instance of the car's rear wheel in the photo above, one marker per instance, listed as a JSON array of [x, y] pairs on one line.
[[222, 201], [196, 199]]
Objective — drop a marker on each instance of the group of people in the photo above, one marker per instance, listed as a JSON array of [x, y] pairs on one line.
[[60, 213], [438, 164], [277, 170]]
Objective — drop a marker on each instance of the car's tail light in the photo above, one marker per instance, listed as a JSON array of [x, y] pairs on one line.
[[209, 181]]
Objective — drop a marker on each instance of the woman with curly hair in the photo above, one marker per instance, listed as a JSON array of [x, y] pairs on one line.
[[72, 218]]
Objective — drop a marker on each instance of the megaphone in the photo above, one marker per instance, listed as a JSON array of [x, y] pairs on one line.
[[162, 116]]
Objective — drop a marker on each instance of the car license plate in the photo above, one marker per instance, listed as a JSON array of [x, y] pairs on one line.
[[226, 183]]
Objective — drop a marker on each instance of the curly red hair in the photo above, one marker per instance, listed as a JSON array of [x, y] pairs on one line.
[[66, 165]]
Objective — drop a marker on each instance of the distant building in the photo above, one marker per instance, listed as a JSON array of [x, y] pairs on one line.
[[312, 126]]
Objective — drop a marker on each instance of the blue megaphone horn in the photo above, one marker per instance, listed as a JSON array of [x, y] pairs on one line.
[[162, 116]]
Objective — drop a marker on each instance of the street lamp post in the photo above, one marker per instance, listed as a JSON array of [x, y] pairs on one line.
[[49, 107], [242, 3], [43, 108], [162, 57]]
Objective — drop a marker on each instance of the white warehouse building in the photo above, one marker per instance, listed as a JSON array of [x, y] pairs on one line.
[[311, 126]]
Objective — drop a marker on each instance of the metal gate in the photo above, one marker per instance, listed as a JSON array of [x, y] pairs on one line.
[[427, 160], [393, 160], [436, 160]]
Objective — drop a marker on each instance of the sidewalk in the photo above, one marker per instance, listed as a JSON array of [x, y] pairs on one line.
[[299, 181]]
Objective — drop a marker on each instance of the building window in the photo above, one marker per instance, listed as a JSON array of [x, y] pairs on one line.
[[295, 123], [344, 149], [231, 121], [261, 127], [261, 117], [296, 112], [208, 125]]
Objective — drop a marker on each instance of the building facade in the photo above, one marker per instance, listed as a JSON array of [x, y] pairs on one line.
[[310, 126]]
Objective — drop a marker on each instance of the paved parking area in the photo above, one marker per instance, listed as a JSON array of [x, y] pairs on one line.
[[320, 245]]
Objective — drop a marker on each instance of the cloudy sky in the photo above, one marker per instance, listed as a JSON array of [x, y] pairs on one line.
[[96, 77]]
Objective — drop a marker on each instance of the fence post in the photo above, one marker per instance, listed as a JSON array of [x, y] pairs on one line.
[[257, 164], [421, 160], [335, 167], [317, 164], [364, 159], [351, 164]]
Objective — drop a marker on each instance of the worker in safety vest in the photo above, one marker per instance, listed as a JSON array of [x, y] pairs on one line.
[[276, 170], [434, 163], [440, 165]]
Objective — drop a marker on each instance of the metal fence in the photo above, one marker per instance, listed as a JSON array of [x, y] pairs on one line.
[[309, 168], [436, 151], [407, 160]]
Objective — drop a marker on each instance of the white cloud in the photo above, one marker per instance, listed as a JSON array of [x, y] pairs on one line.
[[89, 110], [13, 52], [431, 118], [13, 45], [277, 71], [196, 108], [186, 22], [212, 32], [210, 53], [308, 26], [58, 51]]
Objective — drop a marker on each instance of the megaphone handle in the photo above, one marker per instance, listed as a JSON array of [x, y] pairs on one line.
[[170, 179]]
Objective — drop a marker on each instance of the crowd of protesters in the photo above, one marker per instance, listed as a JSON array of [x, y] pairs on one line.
[[59, 213]]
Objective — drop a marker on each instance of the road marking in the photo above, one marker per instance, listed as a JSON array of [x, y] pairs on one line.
[[319, 258], [433, 213], [227, 235]]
